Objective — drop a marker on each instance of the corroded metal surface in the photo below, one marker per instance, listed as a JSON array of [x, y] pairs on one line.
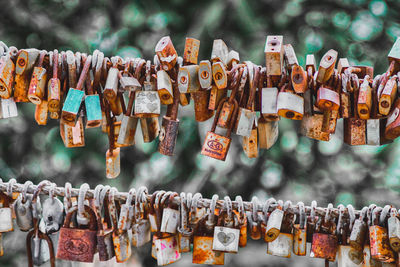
[[324, 246], [168, 135], [203, 253]]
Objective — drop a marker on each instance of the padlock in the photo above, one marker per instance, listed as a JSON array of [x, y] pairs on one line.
[[111, 87], [378, 236], [169, 128], [54, 87], [23, 73], [274, 224], [164, 87], [191, 51], [205, 74], [394, 230], [299, 79], [141, 229], [233, 59], [327, 66], [269, 108], [75, 96], [121, 235], [37, 86], [188, 79], [216, 96], [150, 128], [216, 146], [126, 136], [8, 108], [311, 126], [185, 233], [196, 212], [274, 55], [343, 64], [268, 133], [290, 106], [250, 144], [311, 221], [23, 211], [229, 106], [388, 96], [53, 213], [170, 217], [300, 233], [7, 73], [92, 100], [343, 226], [105, 245], [203, 252], [226, 233], [392, 130], [324, 242], [242, 221], [152, 212], [253, 221], [283, 244], [73, 136], [42, 247], [220, 75], [290, 57], [113, 163], [364, 103], [327, 99], [77, 244], [147, 102], [354, 131], [41, 112], [358, 232], [166, 53], [6, 223], [201, 101], [219, 51]]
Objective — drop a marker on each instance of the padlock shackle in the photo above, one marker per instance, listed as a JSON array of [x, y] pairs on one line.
[[55, 64], [84, 72], [384, 214], [41, 58], [50, 245], [25, 191], [92, 217], [253, 88]]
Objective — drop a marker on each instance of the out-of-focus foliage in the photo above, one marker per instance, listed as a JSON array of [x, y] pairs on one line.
[[296, 168]]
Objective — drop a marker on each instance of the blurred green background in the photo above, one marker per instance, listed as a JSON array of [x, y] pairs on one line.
[[296, 168]]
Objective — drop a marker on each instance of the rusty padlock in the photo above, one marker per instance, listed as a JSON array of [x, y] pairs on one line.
[[299, 79], [188, 79], [388, 96], [205, 74], [165, 88], [290, 106], [77, 244], [274, 223], [73, 101], [220, 75], [269, 97], [92, 99], [229, 105], [23, 73], [41, 112], [141, 227], [54, 87], [126, 136], [242, 221], [290, 57], [191, 51], [215, 145], [203, 239], [171, 216], [185, 233], [300, 233], [254, 223], [6, 223], [37, 86], [226, 232], [201, 100], [327, 66], [166, 53], [378, 236], [324, 242], [342, 229], [364, 102], [73, 136], [105, 245], [282, 246], [274, 55], [394, 230], [219, 51]]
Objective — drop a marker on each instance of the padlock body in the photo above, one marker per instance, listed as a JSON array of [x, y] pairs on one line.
[[250, 144], [226, 239], [274, 55], [54, 91], [269, 108], [379, 244], [167, 250], [290, 106], [6, 223], [203, 252], [105, 245], [72, 136], [184, 243], [41, 113], [76, 244], [37, 85], [23, 214], [327, 99], [324, 246], [273, 225], [93, 111], [141, 233], [394, 233], [201, 101], [113, 163], [268, 133], [7, 71], [245, 122], [188, 79], [126, 136], [357, 235], [216, 146], [23, 73], [170, 220], [147, 104], [43, 250], [311, 126], [205, 74], [111, 86], [219, 75], [164, 88], [71, 106], [168, 136], [299, 241], [281, 246], [150, 128], [224, 118], [354, 131], [8, 108], [122, 246]]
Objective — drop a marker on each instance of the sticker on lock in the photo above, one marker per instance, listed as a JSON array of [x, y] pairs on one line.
[[216, 146]]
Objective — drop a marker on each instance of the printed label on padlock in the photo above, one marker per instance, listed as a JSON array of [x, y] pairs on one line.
[[216, 146], [226, 239]]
